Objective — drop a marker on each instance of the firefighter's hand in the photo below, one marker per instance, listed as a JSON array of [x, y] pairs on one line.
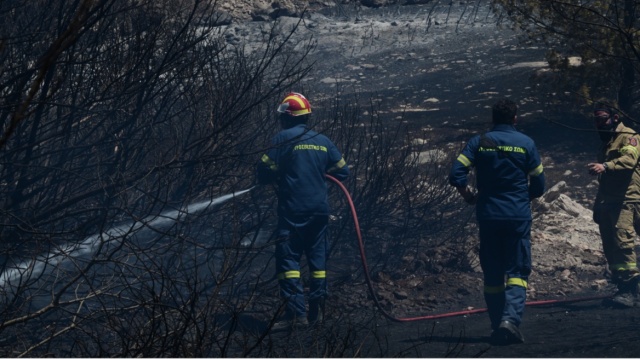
[[468, 195], [596, 168], [471, 199]]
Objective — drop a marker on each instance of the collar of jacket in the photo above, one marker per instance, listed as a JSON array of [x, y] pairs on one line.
[[503, 127]]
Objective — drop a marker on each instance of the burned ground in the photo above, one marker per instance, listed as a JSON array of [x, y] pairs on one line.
[[432, 72], [441, 78]]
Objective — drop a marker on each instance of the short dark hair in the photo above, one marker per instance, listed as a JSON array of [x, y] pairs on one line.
[[288, 121], [504, 111]]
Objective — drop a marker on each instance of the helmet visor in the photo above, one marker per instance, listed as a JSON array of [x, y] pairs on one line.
[[283, 107]]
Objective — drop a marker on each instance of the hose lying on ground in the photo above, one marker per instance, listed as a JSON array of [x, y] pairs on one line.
[[435, 316]]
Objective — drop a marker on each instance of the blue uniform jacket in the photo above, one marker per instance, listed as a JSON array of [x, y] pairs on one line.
[[502, 173], [297, 162]]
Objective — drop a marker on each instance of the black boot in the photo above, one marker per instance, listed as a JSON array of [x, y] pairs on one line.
[[316, 311], [506, 334], [627, 294], [291, 324]]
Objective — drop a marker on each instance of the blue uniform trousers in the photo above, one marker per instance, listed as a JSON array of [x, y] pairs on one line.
[[505, 258], [298, 235]]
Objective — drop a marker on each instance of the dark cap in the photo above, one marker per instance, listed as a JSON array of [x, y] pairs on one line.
[[605, 107]]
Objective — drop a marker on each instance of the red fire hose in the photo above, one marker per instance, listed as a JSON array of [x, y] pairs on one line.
[[435, 316]]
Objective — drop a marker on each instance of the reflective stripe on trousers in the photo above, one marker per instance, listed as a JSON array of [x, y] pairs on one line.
[[300, 235], [505, 252]]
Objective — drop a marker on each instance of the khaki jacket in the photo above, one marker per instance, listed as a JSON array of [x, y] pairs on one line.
[[621, 181]]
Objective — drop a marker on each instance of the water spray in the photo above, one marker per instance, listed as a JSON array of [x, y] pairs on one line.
[[33, 268]]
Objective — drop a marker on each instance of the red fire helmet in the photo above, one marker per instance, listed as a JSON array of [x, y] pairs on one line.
[[295, 104]]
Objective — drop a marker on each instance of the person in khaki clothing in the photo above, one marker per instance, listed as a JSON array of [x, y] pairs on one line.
[[617, 206]]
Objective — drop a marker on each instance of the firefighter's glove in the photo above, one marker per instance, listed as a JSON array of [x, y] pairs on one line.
[[471, 198], [468, 195]]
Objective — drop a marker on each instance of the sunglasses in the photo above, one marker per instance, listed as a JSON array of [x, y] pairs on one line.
[[601, 118]]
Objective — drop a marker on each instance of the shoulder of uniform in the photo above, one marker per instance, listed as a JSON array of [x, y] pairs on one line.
[[475, 140], [628, 136], [626, 129], [631, 133]]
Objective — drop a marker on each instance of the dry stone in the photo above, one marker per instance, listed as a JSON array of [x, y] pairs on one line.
[[565, 240]]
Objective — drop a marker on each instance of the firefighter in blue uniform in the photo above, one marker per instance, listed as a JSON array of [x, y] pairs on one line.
[[297, 162], [509, 174]]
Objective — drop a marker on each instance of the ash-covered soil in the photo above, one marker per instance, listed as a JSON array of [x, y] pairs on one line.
[[440, 70]]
